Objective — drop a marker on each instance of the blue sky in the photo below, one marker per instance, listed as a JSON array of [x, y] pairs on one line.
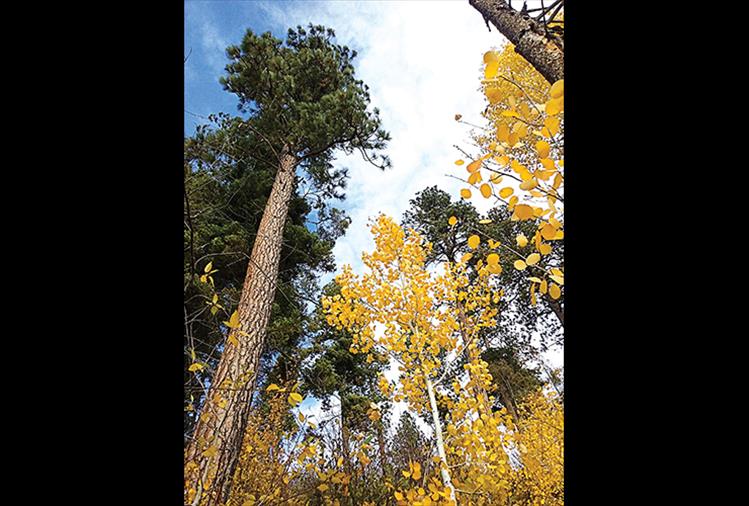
[[422, 61], [419, 78]]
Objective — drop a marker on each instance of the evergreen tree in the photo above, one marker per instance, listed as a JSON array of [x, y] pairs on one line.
[[510, 345], [303, 103], [226, 189], [333, 371]]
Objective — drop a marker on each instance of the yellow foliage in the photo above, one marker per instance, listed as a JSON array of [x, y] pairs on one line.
[[526, 124]]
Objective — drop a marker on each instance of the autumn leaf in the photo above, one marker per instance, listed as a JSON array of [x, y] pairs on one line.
[[233, 322], [486, 190], [295, 399]]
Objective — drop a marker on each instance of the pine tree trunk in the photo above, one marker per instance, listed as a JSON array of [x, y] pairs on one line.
[[223, 419], [545, 51]]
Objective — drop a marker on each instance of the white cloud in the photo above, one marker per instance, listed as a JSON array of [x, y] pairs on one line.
[[421, 61]]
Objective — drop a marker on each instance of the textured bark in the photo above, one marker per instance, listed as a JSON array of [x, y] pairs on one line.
[[228, 403], [544, 51], [557, 308]]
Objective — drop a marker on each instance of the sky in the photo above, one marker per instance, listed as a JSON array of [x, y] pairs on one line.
[[422, 62]]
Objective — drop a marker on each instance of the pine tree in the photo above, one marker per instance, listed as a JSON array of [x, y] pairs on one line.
[[304, 103]]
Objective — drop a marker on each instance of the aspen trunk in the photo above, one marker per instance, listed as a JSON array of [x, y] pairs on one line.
[[544, 51], [223, 419], [444, 470]]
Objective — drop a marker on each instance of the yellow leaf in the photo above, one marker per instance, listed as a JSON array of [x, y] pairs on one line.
[[555, 106], [486, 190], [552, 123], [474, 166], [475, 177], [543, 148], [557, 89], [534, 279], [548, 232], [340, 461], [503, 131], [466, 257], [272, 387], [233, 322], [533, 259], [533, 294], [195, 367], [465, 193], [232, 339], [523, 211], [544, 248], [398, 495], [491, 69], [208, 267], [459, 162], [474, 241], [506, 192], [529, 184], [558, 279], [555, 291], [521, 240], [295, 398], [485, 222], [322, 487], [452, 221], [519, 265], [210, 452], [492, 258], [494, 95], [491, 56], [544, 285]]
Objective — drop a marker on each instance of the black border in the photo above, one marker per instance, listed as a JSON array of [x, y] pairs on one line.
[[118, 239]]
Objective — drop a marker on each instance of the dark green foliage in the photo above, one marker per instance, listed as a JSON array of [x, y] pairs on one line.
[[409, 444], [512, 380], [299, 96], [429, 213], [332, 370], [226, 187], [523, 330], [303, 94]]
